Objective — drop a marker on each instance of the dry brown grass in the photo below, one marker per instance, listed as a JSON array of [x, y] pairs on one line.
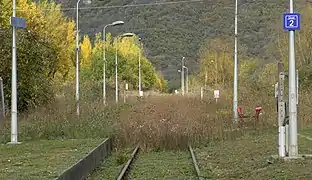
[[172, 122]]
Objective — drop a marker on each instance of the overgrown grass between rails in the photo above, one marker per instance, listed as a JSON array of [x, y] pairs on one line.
[[173, 122]]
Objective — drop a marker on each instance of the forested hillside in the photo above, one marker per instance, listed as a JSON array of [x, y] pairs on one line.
[[175, 30], [172, 31]]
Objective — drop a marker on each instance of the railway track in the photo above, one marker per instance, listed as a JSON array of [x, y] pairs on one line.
[[124, 174], [200, 177]]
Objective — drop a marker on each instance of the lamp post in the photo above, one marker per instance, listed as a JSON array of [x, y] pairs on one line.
[[77, 53], [140, 83], [104, 56], [235, 68], [186, 78], [182, 76], [293, 139], [116, 63], [14, 133]]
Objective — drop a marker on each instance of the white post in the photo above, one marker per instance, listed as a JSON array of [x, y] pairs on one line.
[[77, 59], [293, 146], [14, 133], [282, 141], [116, 70], [235, 68], [281, 110], [297, 86], [182, 77], [104, 65], [201, 93], [187, 82], [2, 99], [287, 138], [140, 88]]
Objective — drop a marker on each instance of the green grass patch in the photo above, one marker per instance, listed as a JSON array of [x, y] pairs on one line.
[[149, 165], [112, 166], [164, 165], [44, 159], [249, 157]]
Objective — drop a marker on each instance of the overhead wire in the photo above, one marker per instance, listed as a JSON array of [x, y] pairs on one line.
[[120, 6]]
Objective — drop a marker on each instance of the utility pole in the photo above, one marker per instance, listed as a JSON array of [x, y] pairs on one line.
[[104, 56], [15, 22], [293, 140], [2, 110], [182, 76], [116, 70], [104, 66], [77, 58], [140, 83], [14, 139], [235, 68], [186, 78]]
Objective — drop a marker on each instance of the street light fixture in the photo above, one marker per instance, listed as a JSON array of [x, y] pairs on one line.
[[77, 53], [104, 57], [116, 62]]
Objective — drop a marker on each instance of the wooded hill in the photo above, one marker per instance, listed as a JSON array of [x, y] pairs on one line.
[[172, 31]]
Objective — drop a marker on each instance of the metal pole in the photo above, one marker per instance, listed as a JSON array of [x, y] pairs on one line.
[[281, 111], [297, 86], [104, 66], [77, 59], [140, 88], [116, 70], [2, 99], [14, 134], [235, 68], [182, 77], [201, 93], [187, 80], [293, 146]]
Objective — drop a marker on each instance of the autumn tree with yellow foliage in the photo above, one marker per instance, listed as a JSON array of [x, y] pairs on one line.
[[45, 51], [128, 59], [86, 52]]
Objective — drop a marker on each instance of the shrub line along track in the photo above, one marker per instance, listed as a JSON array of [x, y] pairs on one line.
[[125, 170], [195, 163]]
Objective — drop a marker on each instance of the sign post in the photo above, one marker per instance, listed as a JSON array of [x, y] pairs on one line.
[[15, 22], [291, 22], [281, 111]]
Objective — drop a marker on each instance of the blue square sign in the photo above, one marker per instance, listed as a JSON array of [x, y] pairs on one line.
[[291, 21]]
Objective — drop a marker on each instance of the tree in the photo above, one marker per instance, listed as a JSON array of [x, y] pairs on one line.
[[86, 51], [216, 67], [44, 51], [128, 57]]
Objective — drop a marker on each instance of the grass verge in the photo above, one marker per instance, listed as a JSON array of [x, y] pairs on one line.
[[164, 165], [44, 159], [249, 157], [112, 166]]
